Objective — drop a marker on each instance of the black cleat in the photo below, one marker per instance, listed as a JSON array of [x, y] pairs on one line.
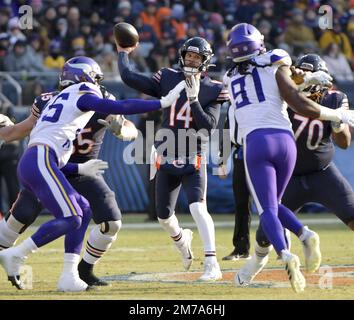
[[16, 281], [86, 274], [233, 256]]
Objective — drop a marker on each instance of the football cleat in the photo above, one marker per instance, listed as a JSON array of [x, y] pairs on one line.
[[247, 273], [212, 272], [184, 245], [292, 266], [12, 265], [86, 274], [312, 252], [71, 282], [233, 256]]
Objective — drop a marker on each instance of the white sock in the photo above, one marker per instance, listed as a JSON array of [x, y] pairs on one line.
[[210, 259], [8, 236], [305, 233], [171, 225], [285, 254], [71, 261], [14, 224], [261, 252], [26, 247], [97, 245], [205, 225]]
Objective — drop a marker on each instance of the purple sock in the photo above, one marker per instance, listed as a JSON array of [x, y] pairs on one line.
[[273, 229], [74, 239], [54, 229], [289, 220]]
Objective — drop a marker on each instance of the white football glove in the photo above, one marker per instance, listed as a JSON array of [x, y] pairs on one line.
[[192, 88], [346, 116], [316, 78], [1, 142], [172, 96], [92, 168], [114, 124], [5, 121], [337, 126]]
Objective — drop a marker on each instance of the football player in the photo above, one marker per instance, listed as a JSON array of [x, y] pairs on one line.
[[260, 94], [182, 165], [49, 149], [241, 235], [315, 177], [105, 211]]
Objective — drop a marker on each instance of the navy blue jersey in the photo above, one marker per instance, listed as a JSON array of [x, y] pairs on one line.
[[88, 142], [181, 116], [315, 148]]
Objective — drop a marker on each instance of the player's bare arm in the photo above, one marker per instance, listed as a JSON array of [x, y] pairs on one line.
[[304, 106], [18, 131]]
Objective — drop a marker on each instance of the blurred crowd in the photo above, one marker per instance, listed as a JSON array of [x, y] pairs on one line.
[[65, 28]]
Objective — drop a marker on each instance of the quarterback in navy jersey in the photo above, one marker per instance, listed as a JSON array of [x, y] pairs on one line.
[[315, 177], [196, 113], [105, 211]]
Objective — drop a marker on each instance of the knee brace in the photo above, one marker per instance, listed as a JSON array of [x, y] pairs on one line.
[[110, 228]]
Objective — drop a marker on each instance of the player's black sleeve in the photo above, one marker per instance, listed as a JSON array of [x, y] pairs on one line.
[[223, 157], [206, 118], [137, 80]]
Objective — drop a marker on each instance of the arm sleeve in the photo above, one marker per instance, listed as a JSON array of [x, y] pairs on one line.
[[70, 168], [137, 80], [207, 118], [91, 102], [222, 139]]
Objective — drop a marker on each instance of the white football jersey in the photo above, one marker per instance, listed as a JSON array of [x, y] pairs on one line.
[[61, 120], [255, 97]]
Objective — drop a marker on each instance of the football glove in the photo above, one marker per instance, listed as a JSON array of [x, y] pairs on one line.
[[92, 168], [116, 124], [172, 96], [5, 121], [320, 78], [192, 88], [337, 126]]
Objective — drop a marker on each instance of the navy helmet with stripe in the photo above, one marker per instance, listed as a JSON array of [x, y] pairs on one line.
[[196, 45]]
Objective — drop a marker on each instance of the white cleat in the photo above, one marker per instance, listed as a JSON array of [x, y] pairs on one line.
[[212, 272], [12, 264], [312, 252], [185, 248], [292, 266], [71, 282], [247, 273]]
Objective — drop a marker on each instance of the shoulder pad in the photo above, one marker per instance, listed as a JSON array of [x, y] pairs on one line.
[[87, 87], [274, 57], [40, 102]]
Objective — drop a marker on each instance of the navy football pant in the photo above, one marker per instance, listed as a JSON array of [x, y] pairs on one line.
[[168, 187]]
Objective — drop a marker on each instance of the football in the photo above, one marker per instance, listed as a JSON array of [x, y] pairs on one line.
[[125, 34]]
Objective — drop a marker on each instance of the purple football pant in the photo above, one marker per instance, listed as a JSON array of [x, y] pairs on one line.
[[39, 173], [270, 156]]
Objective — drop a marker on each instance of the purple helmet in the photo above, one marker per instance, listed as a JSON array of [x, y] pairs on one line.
[[80, 69], [244, 42]]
